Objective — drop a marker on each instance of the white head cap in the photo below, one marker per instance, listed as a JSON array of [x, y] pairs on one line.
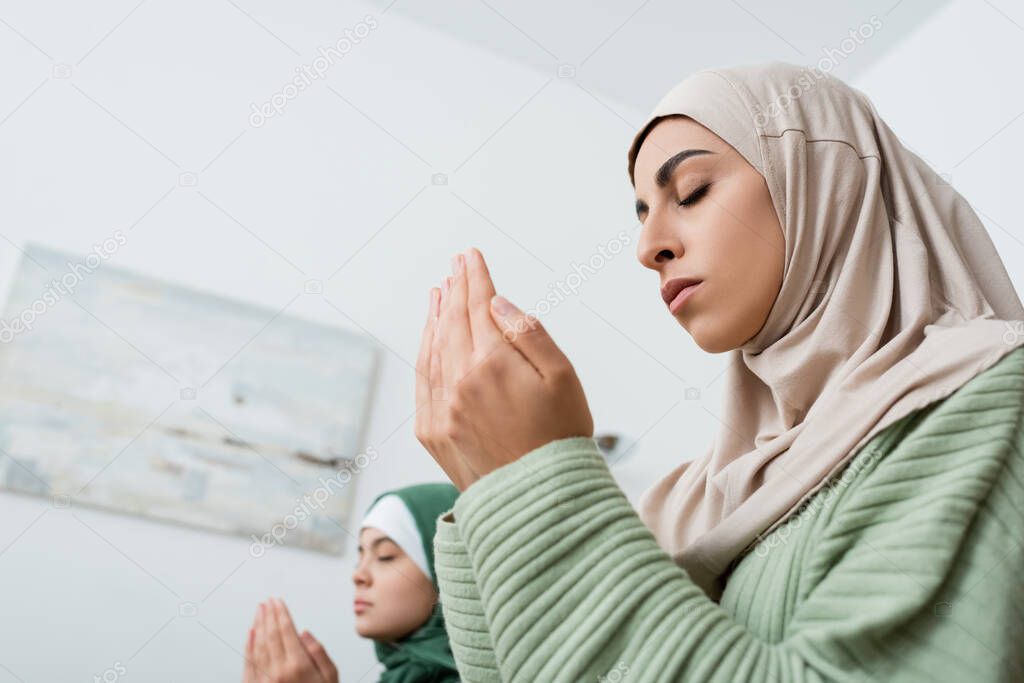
[[392, 517]]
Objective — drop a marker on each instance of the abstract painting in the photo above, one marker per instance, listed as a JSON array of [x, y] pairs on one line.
[[126, 392]]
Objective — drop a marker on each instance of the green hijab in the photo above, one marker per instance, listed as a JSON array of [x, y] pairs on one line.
[[423, 656]]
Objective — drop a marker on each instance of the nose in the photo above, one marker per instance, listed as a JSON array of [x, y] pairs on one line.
[[659, 241], [360, 577]]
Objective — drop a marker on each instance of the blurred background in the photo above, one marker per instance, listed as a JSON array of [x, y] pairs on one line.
[[177, 131]]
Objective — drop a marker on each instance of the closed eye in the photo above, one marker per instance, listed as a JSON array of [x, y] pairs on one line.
[[695, 196]]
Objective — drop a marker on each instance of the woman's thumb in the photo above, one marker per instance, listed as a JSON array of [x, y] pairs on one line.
[[525, 332], [319, 656]]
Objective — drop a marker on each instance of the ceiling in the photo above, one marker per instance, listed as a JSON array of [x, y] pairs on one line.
[[596, 42]]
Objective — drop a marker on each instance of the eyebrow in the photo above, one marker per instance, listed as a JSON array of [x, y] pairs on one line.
[[375, 542], [664, 174]]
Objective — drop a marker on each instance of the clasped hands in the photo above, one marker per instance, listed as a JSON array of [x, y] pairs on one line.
[[491, 384], [276, 652]]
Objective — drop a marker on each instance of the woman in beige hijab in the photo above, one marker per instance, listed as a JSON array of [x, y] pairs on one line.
[[867, 475]]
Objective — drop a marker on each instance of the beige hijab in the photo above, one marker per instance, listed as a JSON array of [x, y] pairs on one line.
[[893, 296]]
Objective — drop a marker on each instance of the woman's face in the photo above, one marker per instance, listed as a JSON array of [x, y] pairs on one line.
[[709, 217], [400, 596]]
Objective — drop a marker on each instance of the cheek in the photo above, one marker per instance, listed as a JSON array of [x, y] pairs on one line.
[[734, 261], [389, 583], [747, 247], [746, 272], [405, 586]]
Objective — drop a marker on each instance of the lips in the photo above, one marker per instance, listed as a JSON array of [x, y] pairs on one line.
[[672, 288], [361, 603]]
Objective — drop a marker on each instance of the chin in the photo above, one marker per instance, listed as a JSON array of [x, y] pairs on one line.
[[364, 629], [715, 347], [709, 338], [369, 631]]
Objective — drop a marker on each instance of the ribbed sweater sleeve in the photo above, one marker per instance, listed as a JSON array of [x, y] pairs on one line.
[[468, 633], [548, 574]]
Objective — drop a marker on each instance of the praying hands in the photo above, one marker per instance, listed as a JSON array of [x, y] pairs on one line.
[[276, 653], [491, 384]]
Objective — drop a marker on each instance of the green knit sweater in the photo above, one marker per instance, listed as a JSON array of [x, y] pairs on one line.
[[909, 566]]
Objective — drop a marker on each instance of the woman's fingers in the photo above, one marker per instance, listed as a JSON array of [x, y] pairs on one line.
[[272, 633], [293, 648], [481, 289], [423, 404], [249, 674], [457, 341], [319, 656], [261, 648], [528, 336], [436, 340]]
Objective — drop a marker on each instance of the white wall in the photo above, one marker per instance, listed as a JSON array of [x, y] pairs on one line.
[[950, 91], [536, 179]]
